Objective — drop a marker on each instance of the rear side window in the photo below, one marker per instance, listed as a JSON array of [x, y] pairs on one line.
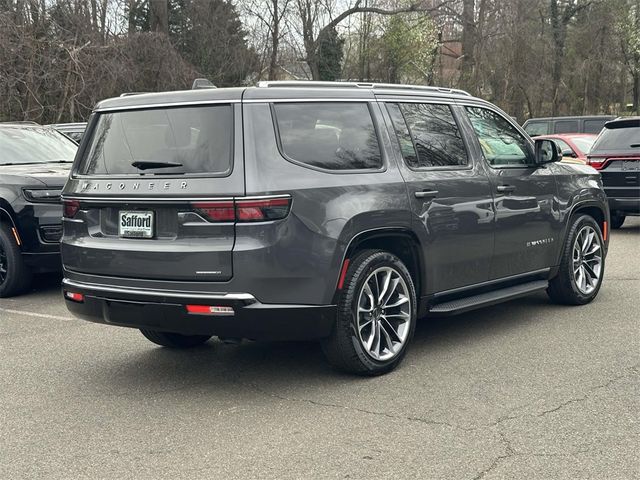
[[428, 135], [330, 136], [566, 126], [536, 128], [183, 140], [593, 126], [621, 136]]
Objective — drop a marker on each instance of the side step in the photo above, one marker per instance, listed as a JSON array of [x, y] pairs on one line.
[[461, 305]]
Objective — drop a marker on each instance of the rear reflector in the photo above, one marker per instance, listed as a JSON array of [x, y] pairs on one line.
[[241, 210], [209, 310], [70, 208], [75, 297]]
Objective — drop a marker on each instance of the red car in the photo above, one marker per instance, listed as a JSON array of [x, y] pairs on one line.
[[574, 146]]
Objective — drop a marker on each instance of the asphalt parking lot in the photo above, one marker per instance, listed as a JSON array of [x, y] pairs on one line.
[[521, 390]]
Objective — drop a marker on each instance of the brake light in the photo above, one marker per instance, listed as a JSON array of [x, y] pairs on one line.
[[244, 210], [262, 209], [70, 208], [219, 211]]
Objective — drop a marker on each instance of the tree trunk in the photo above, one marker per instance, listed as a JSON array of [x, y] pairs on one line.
[[159, 16], [468, 44], [275, 39]]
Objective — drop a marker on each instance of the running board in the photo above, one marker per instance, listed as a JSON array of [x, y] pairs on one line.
[[461, 305]]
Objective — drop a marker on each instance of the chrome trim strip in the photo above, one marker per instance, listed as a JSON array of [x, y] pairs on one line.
[[242, 297], [193, 103], [306, 99], [171, 199]]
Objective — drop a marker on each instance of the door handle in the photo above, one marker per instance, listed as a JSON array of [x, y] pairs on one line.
[[506, 188], [426, 194]]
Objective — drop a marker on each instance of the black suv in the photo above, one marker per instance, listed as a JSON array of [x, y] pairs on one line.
[[34, 165], [616, 154], [335, 211]]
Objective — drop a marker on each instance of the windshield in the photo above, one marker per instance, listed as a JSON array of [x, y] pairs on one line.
[[161, 141], [583, 143], [23, 145]]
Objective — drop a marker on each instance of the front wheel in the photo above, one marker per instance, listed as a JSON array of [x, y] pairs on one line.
[[15, 276], [582, 265], [376, 315], [174, 340]]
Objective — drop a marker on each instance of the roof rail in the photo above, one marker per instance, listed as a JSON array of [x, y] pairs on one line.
[[20, 122], [373, 86], [129, 94]]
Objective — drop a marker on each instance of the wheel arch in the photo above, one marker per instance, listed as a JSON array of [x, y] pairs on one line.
[[596, 211], [399, 241]]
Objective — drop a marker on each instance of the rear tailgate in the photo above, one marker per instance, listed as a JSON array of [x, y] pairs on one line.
[[151, 196]]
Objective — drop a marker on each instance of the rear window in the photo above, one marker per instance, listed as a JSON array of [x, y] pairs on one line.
[[330, 136], [620, 136], [162, 141]]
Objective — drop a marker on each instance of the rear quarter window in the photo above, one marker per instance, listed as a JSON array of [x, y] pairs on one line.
[[336, 136], [198, 140]]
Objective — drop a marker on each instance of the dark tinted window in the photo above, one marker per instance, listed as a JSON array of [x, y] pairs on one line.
[[428, 135], [199, 139], [619, 136], [593, 126], [501, 143], [537, 128], [566, 126], [332, 136], [34, 145]]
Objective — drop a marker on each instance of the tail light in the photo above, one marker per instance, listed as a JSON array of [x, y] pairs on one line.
[[244, 210], [597, 162], [70, 208]]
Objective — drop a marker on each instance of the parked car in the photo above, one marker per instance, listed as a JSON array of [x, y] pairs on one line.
[[34, 164], [332, 211], [550, 125], [616, 155], [74, 131], [574, 147]]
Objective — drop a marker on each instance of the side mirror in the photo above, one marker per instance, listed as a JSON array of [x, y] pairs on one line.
[[569, 153], [547, 151]]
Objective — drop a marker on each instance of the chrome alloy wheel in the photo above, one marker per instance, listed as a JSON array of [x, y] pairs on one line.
[[587, 260], [4, 265], [384, 314]]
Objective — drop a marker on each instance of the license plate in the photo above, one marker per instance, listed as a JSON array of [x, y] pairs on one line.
[[136, 224], [631, 165]]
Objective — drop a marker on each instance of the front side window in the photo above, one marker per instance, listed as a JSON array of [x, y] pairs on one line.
[[502, 145], [537, 128], [182, 140], [428, 135], [330, 136]]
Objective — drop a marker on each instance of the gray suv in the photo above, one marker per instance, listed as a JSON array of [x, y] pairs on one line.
[[310, 210]]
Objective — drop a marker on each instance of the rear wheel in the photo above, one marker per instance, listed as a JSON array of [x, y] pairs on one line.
[[376, 315], [617, 221], [582, 265], [174, 340], [15, 276]]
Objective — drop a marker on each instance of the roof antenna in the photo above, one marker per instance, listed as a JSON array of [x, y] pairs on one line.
[[199, 83]]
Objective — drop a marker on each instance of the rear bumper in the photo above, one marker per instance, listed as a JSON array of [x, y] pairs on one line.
[[166, 311], [624, 205]]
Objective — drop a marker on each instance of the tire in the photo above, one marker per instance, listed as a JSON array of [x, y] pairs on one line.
[[617, 221], [573, 286], [15, 276], [174, 340], [346, 349]]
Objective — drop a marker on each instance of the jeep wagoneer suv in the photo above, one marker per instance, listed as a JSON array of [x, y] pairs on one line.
[[332, 211]]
